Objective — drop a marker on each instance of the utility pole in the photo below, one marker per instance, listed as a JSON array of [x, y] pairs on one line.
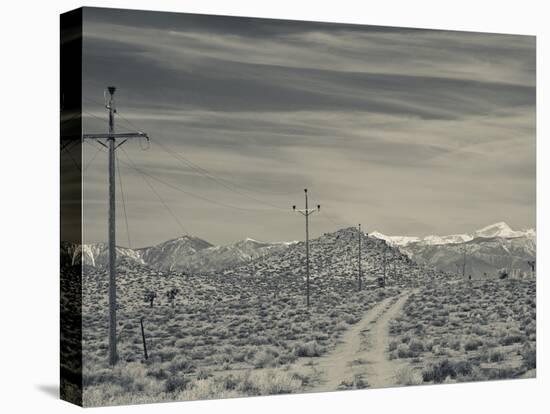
[[359, 276], [306, 213], [112, 145]]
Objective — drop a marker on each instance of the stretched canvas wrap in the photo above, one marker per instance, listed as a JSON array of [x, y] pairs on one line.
[[258, 206]]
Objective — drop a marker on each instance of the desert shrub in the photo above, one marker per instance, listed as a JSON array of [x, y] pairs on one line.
[[403, 351], [472, 344], [167, 353], [462, 368], [408, 376], [341, 326], [511, 338], [184, 343], [392, 346], [357, 383], [428, 346], [439, 372], [264, 382], [98, 377], [530, 358], [495, 356], [308, 349], [276, 382], [176, 383], [416, 346], [203, 374], [158, 373], [502, 373], [181, 364], [266, 357]]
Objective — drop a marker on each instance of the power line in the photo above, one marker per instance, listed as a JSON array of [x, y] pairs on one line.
[[229, 185], [92, 159], [202, 171], [205, 173], [182, 227], [144, 173], [220, 180], [189, 193]]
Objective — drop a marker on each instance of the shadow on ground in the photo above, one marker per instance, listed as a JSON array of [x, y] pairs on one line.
[[51, 390]]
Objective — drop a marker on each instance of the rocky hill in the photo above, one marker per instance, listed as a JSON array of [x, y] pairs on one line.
[[335, 256]]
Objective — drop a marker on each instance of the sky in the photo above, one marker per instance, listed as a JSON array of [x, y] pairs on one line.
[[406, 131]]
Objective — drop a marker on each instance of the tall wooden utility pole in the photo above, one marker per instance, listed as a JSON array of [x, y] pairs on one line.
[[360, 275], [112, 145], [306, 213]]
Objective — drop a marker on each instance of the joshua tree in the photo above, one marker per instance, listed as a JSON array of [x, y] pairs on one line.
[[171, 295], [503, 274], [532, 264], [150, 297]]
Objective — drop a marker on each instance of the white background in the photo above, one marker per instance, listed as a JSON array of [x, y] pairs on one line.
[[29, 285]]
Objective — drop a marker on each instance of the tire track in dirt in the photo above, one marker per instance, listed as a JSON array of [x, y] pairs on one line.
[[361, 352]]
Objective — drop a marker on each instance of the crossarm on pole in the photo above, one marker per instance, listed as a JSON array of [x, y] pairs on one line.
[[126, 135]]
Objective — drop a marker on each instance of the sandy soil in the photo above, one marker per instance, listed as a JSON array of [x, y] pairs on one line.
[[361, 353]]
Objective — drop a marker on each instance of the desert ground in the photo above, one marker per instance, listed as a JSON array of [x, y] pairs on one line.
[[246, 331]]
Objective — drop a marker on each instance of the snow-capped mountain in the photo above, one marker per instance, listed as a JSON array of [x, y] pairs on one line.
[[97, 254], [186, 253], [169, 254], [503, 230], [224, 257], [483, 251], [500, 229]]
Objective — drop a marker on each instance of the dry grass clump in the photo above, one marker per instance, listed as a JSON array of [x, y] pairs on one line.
[[267, 382], [357, 383], [408, 376]]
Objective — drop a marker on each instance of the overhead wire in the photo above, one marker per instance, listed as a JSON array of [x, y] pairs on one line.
[[220, 180], [205, 173], [177, 188], [174, 216], [91, 159], [229, 185]]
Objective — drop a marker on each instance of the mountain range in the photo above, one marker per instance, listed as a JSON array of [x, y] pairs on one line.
[[484, 251], [185, 253], [500, 229]]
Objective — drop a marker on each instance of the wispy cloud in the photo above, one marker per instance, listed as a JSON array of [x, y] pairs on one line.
[[410, 131]]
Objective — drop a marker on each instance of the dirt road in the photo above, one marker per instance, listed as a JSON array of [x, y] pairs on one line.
[[361, 357]]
